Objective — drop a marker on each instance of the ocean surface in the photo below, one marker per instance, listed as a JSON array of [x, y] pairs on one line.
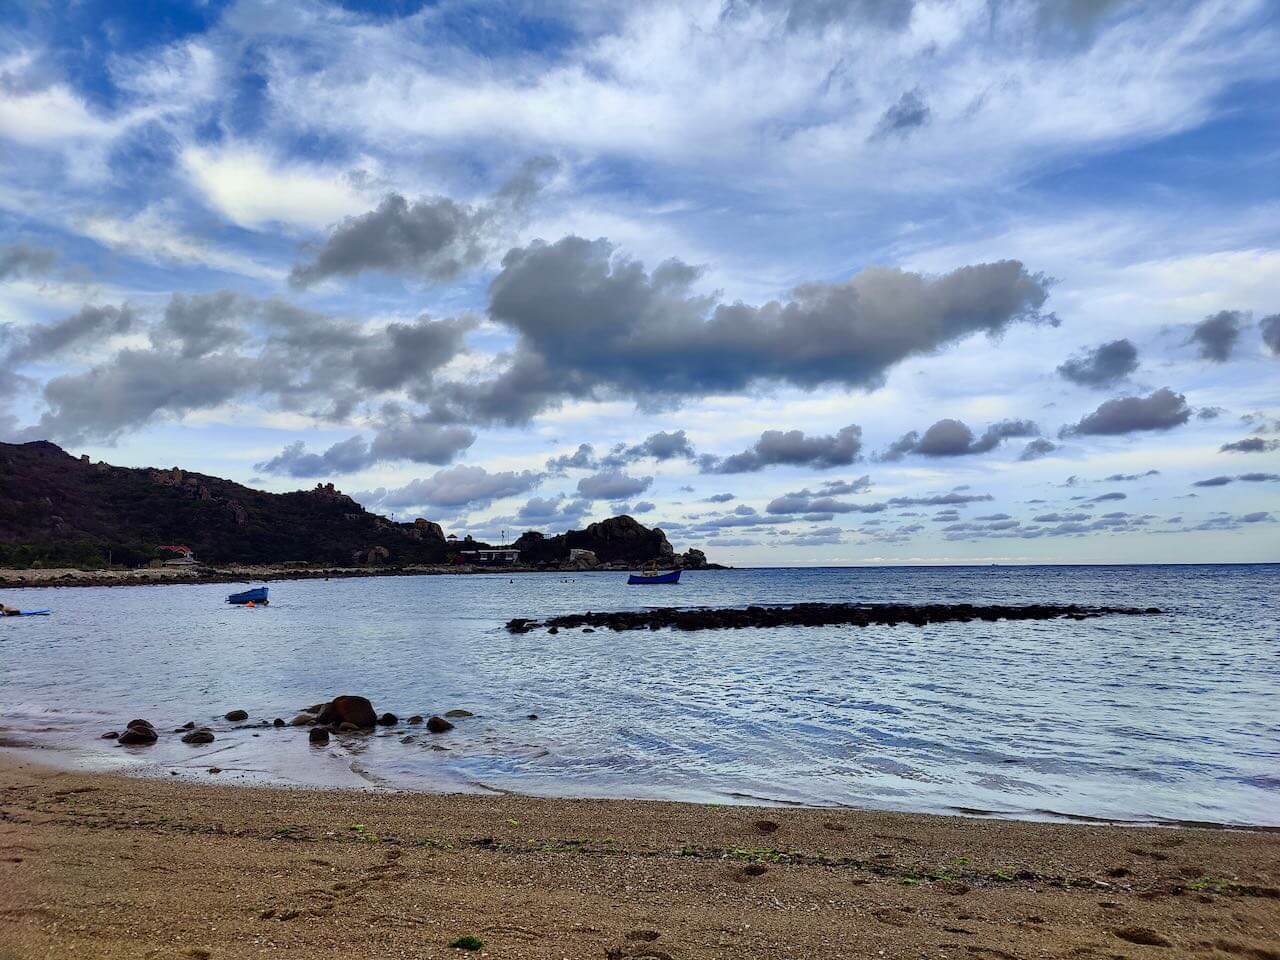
[[1151, 718]]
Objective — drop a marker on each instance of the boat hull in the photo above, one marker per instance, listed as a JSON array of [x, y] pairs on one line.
[[639, 579], [256, 596]]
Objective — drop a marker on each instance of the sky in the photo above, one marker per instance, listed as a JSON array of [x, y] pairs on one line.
[[799, 281]]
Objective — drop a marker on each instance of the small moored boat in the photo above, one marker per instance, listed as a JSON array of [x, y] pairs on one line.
[[651, 574], [28, 613], [256, 596]]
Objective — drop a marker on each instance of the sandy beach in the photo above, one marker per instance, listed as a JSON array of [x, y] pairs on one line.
[[104, 866]]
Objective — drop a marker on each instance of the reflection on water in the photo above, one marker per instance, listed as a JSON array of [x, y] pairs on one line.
[[1128, 717]]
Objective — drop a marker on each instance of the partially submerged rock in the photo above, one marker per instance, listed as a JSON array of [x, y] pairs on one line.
[[139, 733], [439, 725], [348, 709], [388, 720], [318, 735], [203, 735], [235, 716]]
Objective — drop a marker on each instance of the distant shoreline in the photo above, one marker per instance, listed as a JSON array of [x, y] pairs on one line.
[[159, 576]]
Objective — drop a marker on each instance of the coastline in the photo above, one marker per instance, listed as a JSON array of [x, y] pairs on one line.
[[152, 576], [101, 865]]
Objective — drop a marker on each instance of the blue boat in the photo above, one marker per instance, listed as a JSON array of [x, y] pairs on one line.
[[258, 595], [28, 613], [647, 577]]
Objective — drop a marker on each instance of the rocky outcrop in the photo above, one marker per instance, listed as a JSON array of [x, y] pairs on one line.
[[692, 560], [139, 733], [616, 540], [357, 711]]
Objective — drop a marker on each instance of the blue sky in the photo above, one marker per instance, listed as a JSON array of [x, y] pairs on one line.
[[813, 282]]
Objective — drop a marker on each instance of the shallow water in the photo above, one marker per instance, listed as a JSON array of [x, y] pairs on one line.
[[1168, 717]]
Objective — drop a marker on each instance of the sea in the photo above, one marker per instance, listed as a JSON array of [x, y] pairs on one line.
[[1165, 718]]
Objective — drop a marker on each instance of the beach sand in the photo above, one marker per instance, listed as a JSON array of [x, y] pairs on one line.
[[95, 865]]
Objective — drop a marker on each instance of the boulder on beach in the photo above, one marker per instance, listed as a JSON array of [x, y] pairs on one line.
[[203, 735], [439, 725], [277, 722], [415, 719], [235, 716], [111, 735], [139, 733], [388, 720], [348, 709], [319, 735]]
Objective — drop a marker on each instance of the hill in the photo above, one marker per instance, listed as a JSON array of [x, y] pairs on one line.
[[60, 510]]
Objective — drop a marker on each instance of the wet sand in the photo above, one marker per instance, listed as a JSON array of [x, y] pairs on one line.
[[95, 865]]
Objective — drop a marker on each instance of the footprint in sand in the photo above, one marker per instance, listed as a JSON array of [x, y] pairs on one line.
[[750, 872]]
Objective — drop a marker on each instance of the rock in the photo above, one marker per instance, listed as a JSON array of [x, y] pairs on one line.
[[277, 722], [189, 725], [302, 720], [348, 709], [140, 723], [203, 735], [139, 733], [692, 560], [1144, 936], [388, 720], [235, 716], [110, 735], [415, 719], [319, 736], [459, 713], [215, 769], [345, 727], [532, 716], [315, 708], [439, 725]]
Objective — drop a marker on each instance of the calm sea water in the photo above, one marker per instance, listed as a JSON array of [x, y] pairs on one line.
[[1173, 717]]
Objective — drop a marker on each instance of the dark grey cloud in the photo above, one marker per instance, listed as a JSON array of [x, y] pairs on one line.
[[908, 113], [88, 325], [1040, 447], [951, 438], [453, 488], [1051, 20], [133, 389], [420, 442], [434, 238], [720, 498], [584, 458], [941, 500], [1160, 410], [1259, 477], [346, 456], [594, 325], [1217, 334], [1102, 366], [1259, 516], [1061, 517], [1213, 482], [1127, 477], [660, 446], [1270, 327], [792, 448], [832, 488], [1250, 445], [19, 260], [1106, 497], [208, 349], [543, 510], [643, 506], [807, 501], [612, 485]]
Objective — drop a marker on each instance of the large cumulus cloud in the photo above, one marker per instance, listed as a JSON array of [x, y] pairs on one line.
[[792, 448], [592, 324]]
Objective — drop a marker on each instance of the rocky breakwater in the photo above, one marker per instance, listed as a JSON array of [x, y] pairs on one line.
[[818, 615]]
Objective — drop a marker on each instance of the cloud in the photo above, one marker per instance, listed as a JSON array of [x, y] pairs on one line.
[[90, 324], [909, 112], [591, 324], [951, 438], [1270, 327], [294, 460], [1213, 482], [1216, 335], [612, 485], [1160, 410], [807, 501], [454, 487], [792, 448], [19, 260], [1102, 366], [420, 442], [581, 459], [660, 446], [643, 506], [1126, 477], [720, 498], [1107, 497], [433, 239], [941, 500], [1040, 447], [1250, 445], [1259, 477]]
